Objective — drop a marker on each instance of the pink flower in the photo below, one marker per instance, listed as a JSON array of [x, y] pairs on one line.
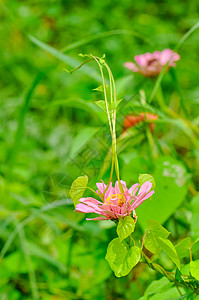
[[151, 64], [115, 205]]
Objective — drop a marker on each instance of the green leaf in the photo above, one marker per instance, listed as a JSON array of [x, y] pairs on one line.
[[146, 177], [178, 275], [125, 227], [120, 258], [111, 107], [81, 139], [72, 62], [101, 88], [171, 179], [195, 216], [171, 294], [195, 246], [155, 230], [114, 105], [182, 248], [169, 248], [150, 242], [101, 104], [78, 188], [194, 269], [158, 286]]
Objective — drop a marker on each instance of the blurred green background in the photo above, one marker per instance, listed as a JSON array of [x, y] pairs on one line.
[[48, 121]]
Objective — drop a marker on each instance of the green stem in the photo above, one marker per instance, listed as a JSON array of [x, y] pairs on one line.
[[105, 95], [114, 114], [71, 71]]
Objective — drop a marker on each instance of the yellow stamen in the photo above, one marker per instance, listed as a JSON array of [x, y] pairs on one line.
[[114, 197]]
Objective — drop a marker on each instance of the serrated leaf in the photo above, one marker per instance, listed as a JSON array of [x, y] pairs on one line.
[[125, 227], [194, 269], [120, 258], [78, 188], [146, 177], [182, 248], [169, 248]]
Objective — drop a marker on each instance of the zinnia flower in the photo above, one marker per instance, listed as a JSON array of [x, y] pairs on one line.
[[132, 120], [114, 204], [151, 64]]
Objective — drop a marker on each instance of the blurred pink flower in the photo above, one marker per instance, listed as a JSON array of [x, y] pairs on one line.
[[115, 205], [151, 64]]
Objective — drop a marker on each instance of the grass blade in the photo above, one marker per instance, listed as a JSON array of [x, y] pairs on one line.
[[106, 34], [32, 278], [187, 34], [72, 62], [21, 119]]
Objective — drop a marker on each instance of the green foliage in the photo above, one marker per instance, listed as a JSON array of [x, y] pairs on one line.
[[195, 246], [171, 183], [155, 230], [78, 188], [194, 269], [50, 125], [169, 248], [121, 257], [111, 106], [125, 227], [101, 88], [161, 288], [183, 247], [195, 216]]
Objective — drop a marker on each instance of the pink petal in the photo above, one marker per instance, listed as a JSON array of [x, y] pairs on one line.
[[116, 209], [120, 215], [101, 186], [80, 207], [97, 219], [148, 195], [110, 191], [141, 60], [124, 208], [140, 200], [133, 188], [148, 56], [165, 56], [117, 188], [145, 188], [175, 57], [156, 55], [90, 200], [131, 66], [109, 214], [132, 198]]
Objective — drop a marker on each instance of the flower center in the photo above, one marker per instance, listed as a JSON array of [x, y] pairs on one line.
[[151, 61], [114, 197]]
